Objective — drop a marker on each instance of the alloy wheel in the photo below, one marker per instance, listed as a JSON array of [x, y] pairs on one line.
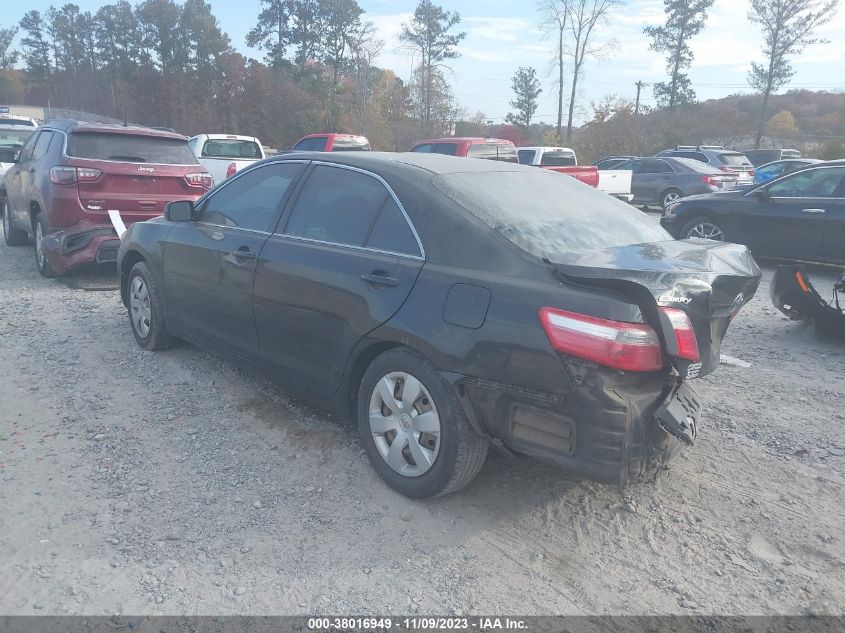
[[670, 197], [139, 306], [405, 424], [706, 231]]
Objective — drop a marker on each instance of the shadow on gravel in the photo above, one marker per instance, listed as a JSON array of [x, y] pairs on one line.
[[92, 278]]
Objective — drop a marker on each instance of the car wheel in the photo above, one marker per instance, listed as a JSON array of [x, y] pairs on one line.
[[413, 428], [13, 236], [41, 261], [146, 309], [669, 197], [702, 228]]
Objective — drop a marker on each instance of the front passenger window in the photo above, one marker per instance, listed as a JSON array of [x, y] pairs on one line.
[[252, 200], [812, 183]]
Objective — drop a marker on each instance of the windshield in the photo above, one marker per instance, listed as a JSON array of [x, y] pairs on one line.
[[546, 214], [231, 148], [130, 149], [559, 159], [735, 160], [15, 138], [350, 144]]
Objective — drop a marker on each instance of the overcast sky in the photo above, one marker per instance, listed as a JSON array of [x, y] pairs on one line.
[[504, 34]]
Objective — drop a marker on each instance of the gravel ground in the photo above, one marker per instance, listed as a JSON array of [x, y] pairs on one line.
[[173, 483]]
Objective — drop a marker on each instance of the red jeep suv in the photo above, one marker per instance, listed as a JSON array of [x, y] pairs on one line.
[[69, 175]]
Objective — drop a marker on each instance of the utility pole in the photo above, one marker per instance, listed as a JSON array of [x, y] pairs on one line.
[[639, 85]]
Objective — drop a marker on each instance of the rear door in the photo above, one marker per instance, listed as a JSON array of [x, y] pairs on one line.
[[17, 183], [790, 222], [834, 230], [209, 265], [140, 174], [342, 262], [654, 177]]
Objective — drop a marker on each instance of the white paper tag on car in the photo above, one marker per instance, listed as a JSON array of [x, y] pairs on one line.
[[117, 222]]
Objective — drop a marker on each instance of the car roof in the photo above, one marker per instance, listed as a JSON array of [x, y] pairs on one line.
[[331, 135], [464, 139], [547, 148], [230, 137], [809, 161], [433, 163], [69, 125]]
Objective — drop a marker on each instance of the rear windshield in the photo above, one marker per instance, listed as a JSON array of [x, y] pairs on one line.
[[493, 151], [546, 214], [230, 148], [350, 144], [558, 159], [695, 165], [130, 149], [15, 138], [735, 160]]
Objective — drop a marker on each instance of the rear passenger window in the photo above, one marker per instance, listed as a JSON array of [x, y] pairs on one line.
[[336, 205], [391, 231], [40, 150], [251, 200], [447, 149]]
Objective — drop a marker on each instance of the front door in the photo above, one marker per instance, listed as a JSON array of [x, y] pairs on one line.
[[209, 264], [790, 221], [343, 262], [19, 182]]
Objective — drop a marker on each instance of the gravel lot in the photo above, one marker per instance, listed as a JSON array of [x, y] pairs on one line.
[[173, 483]]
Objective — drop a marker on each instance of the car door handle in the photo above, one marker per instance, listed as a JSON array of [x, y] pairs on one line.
[[380, 279], [813, 210], [243, 253]]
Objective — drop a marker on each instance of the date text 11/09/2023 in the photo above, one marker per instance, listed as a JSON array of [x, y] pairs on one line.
[[415, 624]]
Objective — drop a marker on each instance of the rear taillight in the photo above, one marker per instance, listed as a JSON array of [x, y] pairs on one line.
[[710, 180], [230, 171], [752, 172], [685, 339], [200, 179], [85, 174], [625, 346], [63, 175]]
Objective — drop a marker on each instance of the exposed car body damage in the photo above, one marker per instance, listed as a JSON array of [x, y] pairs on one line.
[[794, 295], [81, 243], [710, 281]]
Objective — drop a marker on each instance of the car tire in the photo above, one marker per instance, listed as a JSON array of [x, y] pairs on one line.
[[703, 228], [146, 309], [40, 229], [669, 196], [426, 464], [12, 236]]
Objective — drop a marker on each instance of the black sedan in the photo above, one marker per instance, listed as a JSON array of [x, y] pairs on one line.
[[799, 216], [446, 305]]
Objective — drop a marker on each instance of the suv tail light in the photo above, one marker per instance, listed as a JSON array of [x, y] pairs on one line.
[[625, 346], [200, 179], [63, 175], [230, 171], [684, 334]]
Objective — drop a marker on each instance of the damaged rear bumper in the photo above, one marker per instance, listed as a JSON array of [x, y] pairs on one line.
[[620, 430], [82, 243]]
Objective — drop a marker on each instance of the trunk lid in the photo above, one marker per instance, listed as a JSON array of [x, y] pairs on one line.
[[138, 191], [709, 281]]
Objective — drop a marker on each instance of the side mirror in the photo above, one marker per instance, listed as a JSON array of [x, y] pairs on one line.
[[8, 156], [179, 211]]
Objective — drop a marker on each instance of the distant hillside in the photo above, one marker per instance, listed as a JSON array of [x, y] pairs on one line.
[[813, 122]]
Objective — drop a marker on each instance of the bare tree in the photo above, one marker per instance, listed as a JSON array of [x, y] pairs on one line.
[[583, 17], [787, 27], [365, 47], [554, 14]]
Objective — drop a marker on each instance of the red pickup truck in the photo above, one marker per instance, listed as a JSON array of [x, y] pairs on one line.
[[561, 160], [470, 147]]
